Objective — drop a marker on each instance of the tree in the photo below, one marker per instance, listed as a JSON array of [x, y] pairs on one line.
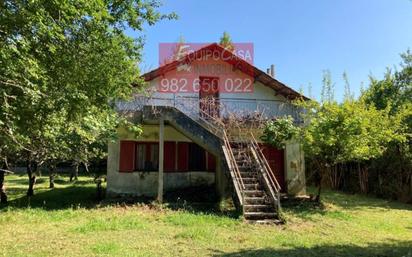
[[394, 92], [226, 42], [277, 132], [349, 132], [60, 63], [336, 135]]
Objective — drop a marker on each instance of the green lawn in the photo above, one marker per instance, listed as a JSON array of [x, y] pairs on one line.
[[67, 221]]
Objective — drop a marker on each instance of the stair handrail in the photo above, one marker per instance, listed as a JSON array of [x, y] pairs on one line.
[[226, 141], [274, 184]]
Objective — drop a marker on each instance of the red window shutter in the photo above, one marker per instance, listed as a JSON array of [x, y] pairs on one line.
[[127, 156], [183, 156], [169, 156], [211, 162]]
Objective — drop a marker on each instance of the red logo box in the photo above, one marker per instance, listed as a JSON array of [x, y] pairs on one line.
[[194, 67]]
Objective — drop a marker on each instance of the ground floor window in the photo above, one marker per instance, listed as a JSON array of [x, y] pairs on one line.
[[178, 157], [147, 156]]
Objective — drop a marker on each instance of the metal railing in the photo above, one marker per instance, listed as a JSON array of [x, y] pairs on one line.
[[240, 107], [218, 127], [266, 171]]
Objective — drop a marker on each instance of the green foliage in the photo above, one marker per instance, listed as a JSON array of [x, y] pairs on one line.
[[350, 131], [347, 132], [277, 132], [338, 134], [226, 42], [62, 66], [393, 171]]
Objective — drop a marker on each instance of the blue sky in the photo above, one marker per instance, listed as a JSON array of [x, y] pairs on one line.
[[301, 37]]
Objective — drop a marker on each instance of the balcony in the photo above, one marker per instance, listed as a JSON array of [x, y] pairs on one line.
[[222, 107]]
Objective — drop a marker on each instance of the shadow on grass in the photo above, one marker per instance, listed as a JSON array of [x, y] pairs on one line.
[[358, 201], [65, 195], [200, 200], [304, 208], [55, 199], [394, 249], [83, 193], [23, 181]]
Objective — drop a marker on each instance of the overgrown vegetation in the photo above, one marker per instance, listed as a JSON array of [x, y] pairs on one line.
[[68, 221], [360, 144], [278, 132]]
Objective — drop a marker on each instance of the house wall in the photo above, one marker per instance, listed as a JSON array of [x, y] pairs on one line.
[[146, 183], [295, 168], [260, 92]]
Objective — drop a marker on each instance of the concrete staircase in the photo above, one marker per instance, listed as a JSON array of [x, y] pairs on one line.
[[258, 207], [186, 125], [255, 185]]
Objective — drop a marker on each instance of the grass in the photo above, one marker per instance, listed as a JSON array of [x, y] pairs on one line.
[[67, 221]]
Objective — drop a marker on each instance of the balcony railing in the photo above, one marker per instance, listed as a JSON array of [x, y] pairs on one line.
[[223, 107]]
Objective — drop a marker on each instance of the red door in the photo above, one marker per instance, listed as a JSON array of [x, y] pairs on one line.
[[209, 96], [275, 158]]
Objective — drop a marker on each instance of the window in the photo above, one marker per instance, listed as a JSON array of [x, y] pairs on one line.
[[147, 156], [178, 156]]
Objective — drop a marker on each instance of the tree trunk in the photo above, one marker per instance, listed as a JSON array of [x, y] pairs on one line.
[[86, 167], [317, 198], [75, 172], [32, 178], [99, 182], [52, 175], [335, 176], [363, 178], [3, 196], [318, 182]]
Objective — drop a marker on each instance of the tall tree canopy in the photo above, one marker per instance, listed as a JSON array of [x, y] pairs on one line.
[[394, 92], [341, 137], [62, 66]]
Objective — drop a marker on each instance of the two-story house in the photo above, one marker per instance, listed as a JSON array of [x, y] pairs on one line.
[[198, 130]]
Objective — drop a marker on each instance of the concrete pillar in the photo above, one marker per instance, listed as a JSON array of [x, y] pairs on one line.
[[113, 157], [161, 160], [221, 180]]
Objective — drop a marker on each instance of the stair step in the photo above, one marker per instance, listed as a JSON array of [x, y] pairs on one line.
[[258, 208], [254, 186], [254, 200], [253, 193], [251, 180], [259, 215], [246, 169], [250, 175], [265, 222]]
